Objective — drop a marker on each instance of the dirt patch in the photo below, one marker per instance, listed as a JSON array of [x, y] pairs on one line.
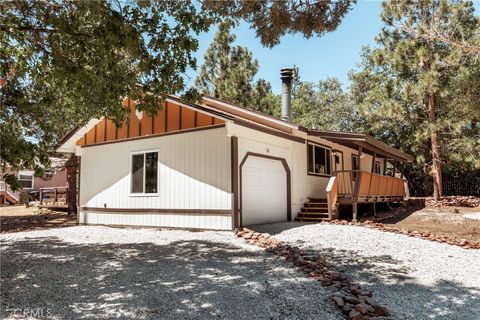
[[21, 218], [447, 221]]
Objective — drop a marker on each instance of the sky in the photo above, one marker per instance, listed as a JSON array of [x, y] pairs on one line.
[[332, 55]]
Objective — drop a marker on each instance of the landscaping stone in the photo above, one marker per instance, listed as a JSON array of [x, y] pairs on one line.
[[350, 298]]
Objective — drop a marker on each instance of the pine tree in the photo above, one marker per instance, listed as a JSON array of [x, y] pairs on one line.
[[228, 74], [324, 105], [420, 93]]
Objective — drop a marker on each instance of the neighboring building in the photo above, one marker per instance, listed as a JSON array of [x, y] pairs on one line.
[[218, 166], [54, 177]]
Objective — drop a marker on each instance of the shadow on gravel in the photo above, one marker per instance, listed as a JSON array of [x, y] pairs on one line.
[[181, 280], [392, 284]]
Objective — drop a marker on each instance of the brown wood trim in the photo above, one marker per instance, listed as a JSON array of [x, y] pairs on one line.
[[166, 116], [268, 131], [213, 120], [289, 181], [105, 129], [195, 118], [161, 134], [204, 212], [130, 118], [234, 172], [139, 128], [79, 186], [153, 124], [320, 144], [180, 111]]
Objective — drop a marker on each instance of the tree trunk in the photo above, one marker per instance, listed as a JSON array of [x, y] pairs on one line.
[[436, 159]]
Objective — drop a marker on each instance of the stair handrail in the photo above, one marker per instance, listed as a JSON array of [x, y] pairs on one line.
[[6, 188], [332, 195]]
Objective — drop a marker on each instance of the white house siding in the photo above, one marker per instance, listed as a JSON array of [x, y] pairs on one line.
[[194, 173], [295, 153], [250, 140]]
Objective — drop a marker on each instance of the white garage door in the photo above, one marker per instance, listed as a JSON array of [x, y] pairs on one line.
[[264, 191]]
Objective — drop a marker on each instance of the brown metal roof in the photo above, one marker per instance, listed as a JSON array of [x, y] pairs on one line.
[[355, 140], [229, 111]]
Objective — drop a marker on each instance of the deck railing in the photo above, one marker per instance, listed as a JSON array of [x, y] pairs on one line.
[[53, 195], [4, 187], [362, 184], [332, 196]]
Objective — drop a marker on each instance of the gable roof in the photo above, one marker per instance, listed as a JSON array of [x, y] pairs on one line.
[[260, 121]]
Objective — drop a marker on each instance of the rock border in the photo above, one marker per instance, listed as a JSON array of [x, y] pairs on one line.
[[353, 301], [466, 244]]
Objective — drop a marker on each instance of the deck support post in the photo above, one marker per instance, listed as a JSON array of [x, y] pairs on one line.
[[375, 209], [357, 185], [354, 211]]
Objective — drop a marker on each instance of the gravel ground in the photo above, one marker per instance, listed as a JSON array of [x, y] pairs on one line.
[[414, 278], [94, 272]]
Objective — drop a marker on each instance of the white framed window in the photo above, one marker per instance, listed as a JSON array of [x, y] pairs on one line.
[[319, 160], [25, 178], [144, 173]]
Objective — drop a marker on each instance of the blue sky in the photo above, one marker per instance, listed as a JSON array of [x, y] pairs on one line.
[[332, 55]]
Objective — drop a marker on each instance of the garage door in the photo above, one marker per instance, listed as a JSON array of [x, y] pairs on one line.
[[264, 191]]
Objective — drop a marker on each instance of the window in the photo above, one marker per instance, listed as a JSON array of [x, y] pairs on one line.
[[145, 173], [26, 179], [355, 162], [319, 160], [376, 167]]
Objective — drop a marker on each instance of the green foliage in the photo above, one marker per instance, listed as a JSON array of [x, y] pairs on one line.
[[65, 62], [264, 100], [324, 106], [228, 74], [410, 74], [228, 70], [25, 198], [273, 19]]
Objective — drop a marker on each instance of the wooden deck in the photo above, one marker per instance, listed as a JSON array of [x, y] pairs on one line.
[[352, 187]]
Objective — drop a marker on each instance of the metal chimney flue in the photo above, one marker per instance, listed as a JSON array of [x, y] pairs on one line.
[[287, 77]]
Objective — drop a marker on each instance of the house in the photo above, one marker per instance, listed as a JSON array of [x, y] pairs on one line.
[[214, 165], [54, 178]]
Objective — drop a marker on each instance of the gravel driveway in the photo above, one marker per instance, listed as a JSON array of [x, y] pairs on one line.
[[93, 272], [414, 278]]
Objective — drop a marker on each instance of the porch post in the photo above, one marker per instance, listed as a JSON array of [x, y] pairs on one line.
[[373, 162], [385, 166], [394, 167], [357, 184]]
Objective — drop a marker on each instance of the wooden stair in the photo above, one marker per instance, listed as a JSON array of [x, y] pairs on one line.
[[315, 209], [7, 197]]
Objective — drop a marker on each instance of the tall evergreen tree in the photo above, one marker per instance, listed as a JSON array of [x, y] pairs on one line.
[[324, 105], [228, 73], [228, 70], [420, 92]]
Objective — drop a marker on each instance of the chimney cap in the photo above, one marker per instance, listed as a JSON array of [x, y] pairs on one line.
[[286, 72]]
